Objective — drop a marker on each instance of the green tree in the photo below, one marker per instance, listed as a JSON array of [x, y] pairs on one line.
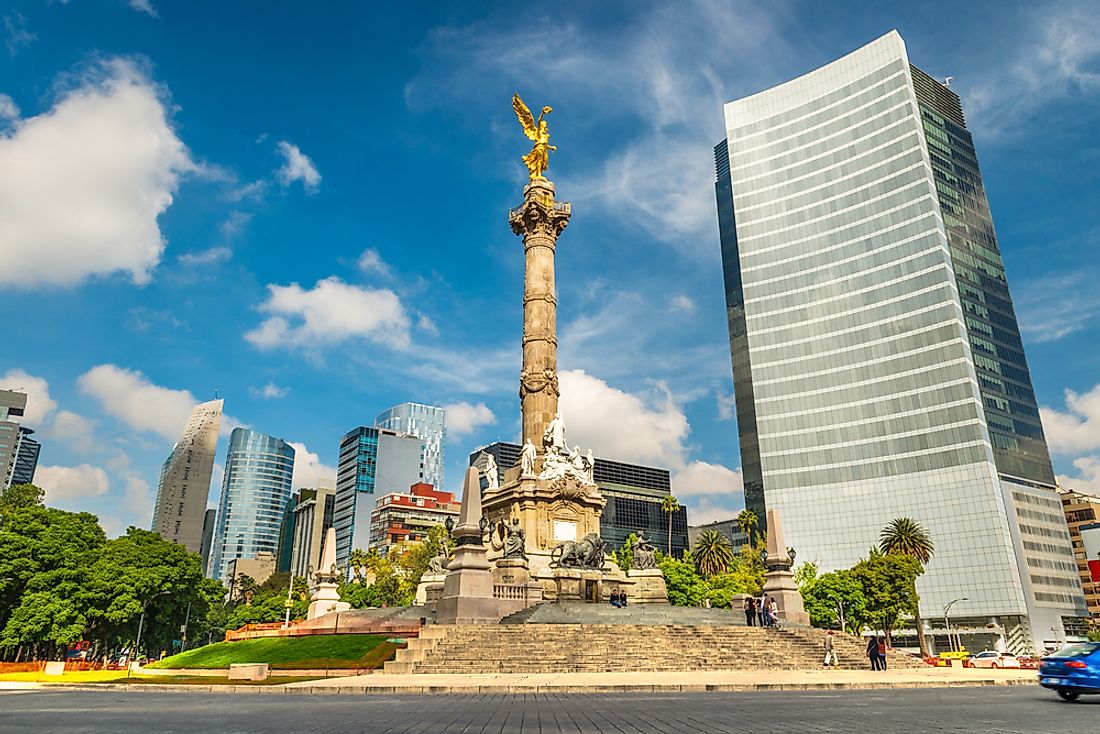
[[805, 574], [748, 571], [624, 557], [713, 553], [906, 537], [889, 583], [417, 556], [20, 496], [685, 586], [748, 522], [826, 595], [670, 505]]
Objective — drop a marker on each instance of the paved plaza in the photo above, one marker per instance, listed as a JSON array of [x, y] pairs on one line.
[[1005, 710]]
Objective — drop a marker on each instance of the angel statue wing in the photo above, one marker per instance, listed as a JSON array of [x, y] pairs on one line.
[[525, 117]]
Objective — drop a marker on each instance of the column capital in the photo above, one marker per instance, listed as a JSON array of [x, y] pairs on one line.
[[539, 214]]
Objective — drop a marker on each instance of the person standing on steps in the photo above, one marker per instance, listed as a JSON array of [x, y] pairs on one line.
[[761, 612], [773, 611], [881, 653], [830, 652], [872, 651], [750, 611]]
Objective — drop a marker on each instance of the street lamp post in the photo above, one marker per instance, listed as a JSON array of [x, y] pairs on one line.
[[947, 621], [289, 599], [141, 626]]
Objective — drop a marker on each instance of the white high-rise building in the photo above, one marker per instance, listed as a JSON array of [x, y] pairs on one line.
[[426, 423], [184, 486], [877, 361]]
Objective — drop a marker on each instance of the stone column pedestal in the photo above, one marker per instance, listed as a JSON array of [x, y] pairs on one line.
[[325, 600], [780, 585], [468, 588], [429, 581], [649, 587]]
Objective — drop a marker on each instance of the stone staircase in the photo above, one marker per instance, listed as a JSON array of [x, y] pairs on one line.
[[596, 648], [652, 614]]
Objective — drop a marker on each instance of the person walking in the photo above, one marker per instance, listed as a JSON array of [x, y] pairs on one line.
[[872, 651], [830, 652], [881, 651], [750, 611]]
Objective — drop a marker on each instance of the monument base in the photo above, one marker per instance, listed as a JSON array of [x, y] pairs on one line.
[[325, 600], [649, 587], [780, 585], [430, 588]]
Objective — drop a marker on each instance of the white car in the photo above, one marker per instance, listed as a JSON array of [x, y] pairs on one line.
[[994, 659]]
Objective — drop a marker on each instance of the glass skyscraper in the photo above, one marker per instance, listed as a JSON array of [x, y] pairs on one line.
[[877, 362], [426, 423], [373, 461], [255, 492]]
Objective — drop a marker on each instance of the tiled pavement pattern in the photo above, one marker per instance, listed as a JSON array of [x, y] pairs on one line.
[[1023, 710]]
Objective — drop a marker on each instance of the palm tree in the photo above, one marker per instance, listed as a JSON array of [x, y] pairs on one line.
[[671, 505], [748, 522], [713, 553], [906, 537]]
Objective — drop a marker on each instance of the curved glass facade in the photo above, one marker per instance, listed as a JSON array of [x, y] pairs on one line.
[[255, 493]]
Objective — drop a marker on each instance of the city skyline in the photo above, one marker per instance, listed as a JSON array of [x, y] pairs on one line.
[[247, 298]]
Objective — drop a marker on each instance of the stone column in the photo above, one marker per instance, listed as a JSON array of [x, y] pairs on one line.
[[539, 220], [467, 596]]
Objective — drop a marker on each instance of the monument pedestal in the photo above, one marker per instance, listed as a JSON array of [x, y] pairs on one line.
[[468, 588], [430, 588], [325, 600], [649, 587], [779, 582]]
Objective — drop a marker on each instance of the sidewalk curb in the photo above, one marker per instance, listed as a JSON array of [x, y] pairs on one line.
[[517, 689]]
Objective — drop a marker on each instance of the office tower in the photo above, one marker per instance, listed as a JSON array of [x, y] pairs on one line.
[[13, 404], [312, 519], [633, 493], [409, 516], [426, 423], [209, 522], [877, 362], [1082, 512], [729, 528], [184, 486], [255, 491], [259, 569], [286, 534], [372, 461], [24, 458]]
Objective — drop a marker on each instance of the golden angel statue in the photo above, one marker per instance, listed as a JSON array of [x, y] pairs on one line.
[[538, 160]]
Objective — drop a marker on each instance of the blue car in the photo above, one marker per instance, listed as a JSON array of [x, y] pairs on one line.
[[1073, 670]]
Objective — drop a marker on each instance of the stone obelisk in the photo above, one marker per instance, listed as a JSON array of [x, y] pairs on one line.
[[539, 220]]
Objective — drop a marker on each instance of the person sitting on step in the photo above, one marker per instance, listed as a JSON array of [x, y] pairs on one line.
[[615, 597]]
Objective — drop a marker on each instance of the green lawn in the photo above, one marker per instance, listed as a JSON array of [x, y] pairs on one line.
[[288, 653]]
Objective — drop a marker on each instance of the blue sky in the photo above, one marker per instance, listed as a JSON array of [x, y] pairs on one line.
[[304, 208]]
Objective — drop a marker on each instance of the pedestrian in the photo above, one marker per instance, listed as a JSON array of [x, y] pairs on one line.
[[614, 597], [760, 610], [881, 651], [773, 612], [750, 611], [622, 599], [872, 651], [830, 653], [706, 603]]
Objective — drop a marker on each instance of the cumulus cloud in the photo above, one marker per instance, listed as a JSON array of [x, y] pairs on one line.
[[39, 403], [651, 431], [332, 312], [65, 483], [1088, 477], [308, 468], [143, 6], [9, 110], [82, 185], [297, 166], [129, 396], [371, 262], [73, 429], [464, 418], [269, 391], [1077, 428]]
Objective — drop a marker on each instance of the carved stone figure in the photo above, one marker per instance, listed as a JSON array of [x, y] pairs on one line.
[[577, 459], [645, 553], [553, 439], [590, 466], [491, 473], [515, 541], [585, 553], [438, 564], [527, 459], [538, 160]]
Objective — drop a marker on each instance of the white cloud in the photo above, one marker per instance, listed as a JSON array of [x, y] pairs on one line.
[[464, 418], [308, 467], [143, 6], [651, 431], [81, 186], [1088, 479], [297, 166], [1077, 428], [17, 34], [269, 391], [727, 405], [9, 110], [129, 396], [64, 483], [371, 262], [207, 257], [39, 403], [73, 429], [139, 497], [1059, 304], [681, 304], [332, 312]]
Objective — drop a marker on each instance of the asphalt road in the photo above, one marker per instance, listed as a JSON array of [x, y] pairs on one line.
[[907, 711]]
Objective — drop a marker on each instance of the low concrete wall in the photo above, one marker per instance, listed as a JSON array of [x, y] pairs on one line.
[[248, 671]]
